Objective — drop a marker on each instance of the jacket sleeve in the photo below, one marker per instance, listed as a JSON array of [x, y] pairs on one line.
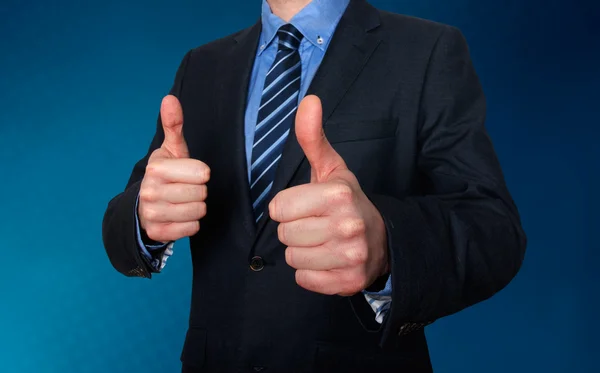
[[460, 240], [119, 229]]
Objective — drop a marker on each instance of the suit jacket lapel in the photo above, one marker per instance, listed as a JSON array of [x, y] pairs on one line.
[[349, 50], [234, 75]]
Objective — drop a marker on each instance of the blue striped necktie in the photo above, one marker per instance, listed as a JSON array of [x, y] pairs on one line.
[[276, 114]]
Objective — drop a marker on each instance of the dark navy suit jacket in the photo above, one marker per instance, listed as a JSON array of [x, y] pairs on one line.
[[404, 108]]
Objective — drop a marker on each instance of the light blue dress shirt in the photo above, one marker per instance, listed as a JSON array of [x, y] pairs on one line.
[[317, 23]]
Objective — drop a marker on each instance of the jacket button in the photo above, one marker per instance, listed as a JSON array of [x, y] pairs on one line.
[[257, 264]]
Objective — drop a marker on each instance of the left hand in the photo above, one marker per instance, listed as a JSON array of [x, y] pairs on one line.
[[336, 237]]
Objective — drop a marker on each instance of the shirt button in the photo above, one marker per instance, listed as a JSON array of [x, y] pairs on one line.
[[319, 40], [257, 264]]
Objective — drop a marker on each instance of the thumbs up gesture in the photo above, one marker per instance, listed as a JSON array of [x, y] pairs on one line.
[[173, 191], [336, 237]]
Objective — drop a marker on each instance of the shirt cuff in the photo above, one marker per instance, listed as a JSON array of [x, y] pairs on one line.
[[156, 253], [380, 301]]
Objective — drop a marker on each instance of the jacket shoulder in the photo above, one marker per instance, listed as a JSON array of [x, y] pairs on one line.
[[414, 28], [218, 46]]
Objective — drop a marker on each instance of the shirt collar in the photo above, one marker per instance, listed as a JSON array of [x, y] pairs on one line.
[[316, 21]]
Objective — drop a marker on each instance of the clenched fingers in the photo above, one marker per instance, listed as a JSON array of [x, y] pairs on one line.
[[165, 232], [177, 213], [182, 170], [174, 193]]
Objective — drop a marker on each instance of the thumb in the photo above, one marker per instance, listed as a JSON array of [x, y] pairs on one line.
[[323, 159], [171, 115]]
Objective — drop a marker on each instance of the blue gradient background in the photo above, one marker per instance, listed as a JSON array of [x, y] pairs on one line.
[[81, 83]]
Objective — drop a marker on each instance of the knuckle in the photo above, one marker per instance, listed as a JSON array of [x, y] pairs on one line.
[[148, 194], [150, 214], [351, 227], [152, 169], [356, 256], [339, 194]]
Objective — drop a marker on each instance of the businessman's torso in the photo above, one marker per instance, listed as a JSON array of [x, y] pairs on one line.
[[247, 311]]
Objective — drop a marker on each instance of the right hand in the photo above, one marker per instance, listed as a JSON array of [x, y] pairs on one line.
[[173, 190]]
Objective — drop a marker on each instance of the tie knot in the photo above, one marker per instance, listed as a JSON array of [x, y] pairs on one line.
[[289, 37]]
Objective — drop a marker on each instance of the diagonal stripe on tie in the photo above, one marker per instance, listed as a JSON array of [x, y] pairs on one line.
[[279, 62], [277, 107], [282, 90], [268, 153], [273, 129], [280, 73]]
